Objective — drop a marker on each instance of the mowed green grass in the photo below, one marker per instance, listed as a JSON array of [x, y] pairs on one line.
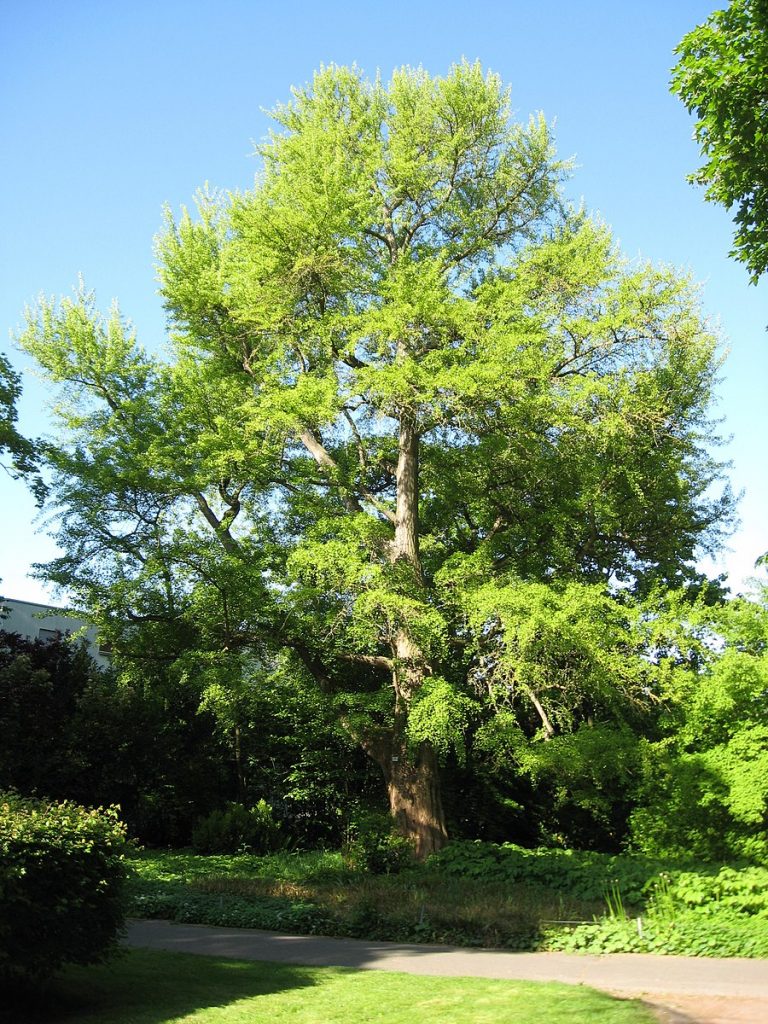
[[143, 987]]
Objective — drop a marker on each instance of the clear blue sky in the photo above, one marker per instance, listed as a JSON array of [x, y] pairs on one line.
[[112, 109]]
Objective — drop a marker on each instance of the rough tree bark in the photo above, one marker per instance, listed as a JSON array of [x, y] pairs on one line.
[[412, 776], [413, 787]]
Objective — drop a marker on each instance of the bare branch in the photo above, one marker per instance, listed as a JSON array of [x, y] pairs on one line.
[[549, 731], [219, 526], [377, 660]]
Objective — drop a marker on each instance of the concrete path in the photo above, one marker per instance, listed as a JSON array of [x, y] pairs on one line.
[[681, 989]]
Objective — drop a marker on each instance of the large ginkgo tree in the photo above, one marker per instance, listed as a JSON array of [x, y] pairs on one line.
[[419, 430]]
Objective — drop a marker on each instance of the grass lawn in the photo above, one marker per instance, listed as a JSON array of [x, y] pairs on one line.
[[143, 987]]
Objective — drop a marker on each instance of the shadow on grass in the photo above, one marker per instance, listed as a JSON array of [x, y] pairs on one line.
[[140, 987], [152, 987], [667, 1014]]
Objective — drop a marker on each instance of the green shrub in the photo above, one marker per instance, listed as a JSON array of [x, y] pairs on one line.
[[62, 870], [651, 905], [727, 891], [372, 846], [237, 829], [585, 875], [688, 935]]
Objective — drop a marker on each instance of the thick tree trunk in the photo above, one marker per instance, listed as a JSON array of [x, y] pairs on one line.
[[412, 778], [413, 787], [406, 541]]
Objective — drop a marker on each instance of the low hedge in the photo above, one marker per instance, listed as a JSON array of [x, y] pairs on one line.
[[62, 870]]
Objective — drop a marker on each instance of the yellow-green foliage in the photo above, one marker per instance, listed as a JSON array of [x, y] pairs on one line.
[[401, 329], [705, 785]]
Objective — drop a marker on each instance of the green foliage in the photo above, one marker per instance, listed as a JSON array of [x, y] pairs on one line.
[[568, 645], [652, 906], [694, 913], [41, 684], [440, 715], [161, 743], [73, 731], [326, 894], [180, 866], [62, 870], [23, 452], [703, 786], [727, 891], [284, 741], [721, 76], [371, 844], [473, 894], [566, 671], [683, 937], [237, 828], [583, 874], [416, 420], [236, 911]]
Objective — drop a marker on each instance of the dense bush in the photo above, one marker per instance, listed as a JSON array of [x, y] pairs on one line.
[[687, 935], [703, 787], [738, 892], [62, 870], [152, 740], [285, 744], [583, 874], [41, 685], [74, 732], [701, 912], [237, 829], [371, 845], [651, 905]]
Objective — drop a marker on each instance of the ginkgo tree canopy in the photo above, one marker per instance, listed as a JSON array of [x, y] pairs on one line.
[[404, 382]]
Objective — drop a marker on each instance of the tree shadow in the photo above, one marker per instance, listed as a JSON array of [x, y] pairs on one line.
[[149, 987], [666, 1014]]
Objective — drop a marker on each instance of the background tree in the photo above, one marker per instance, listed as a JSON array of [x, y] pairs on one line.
[[704, 782], [722, 78], [73, 731], [405, 384], [157, 740], [21, 451]]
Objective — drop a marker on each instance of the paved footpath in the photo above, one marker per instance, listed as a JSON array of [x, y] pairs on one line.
[[682, 990]]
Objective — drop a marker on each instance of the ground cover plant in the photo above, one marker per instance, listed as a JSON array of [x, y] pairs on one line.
[[475, 894], [322, 894], [154, 988]]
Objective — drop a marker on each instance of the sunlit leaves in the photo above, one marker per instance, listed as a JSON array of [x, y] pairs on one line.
[[21, 450], [722, 78], [439, 715], [401, 295]]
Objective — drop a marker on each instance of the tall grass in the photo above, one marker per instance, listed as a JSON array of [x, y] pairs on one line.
[[415, 905], [472, 895]]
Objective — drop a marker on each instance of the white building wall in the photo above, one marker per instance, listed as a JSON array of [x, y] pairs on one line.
[[40, 621]]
